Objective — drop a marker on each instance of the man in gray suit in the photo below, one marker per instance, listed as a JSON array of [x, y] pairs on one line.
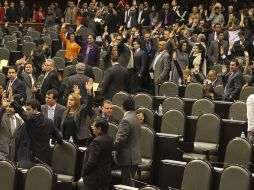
[[9, 125], [127, 143], [51, 109], [232, 81], [214, 50], [159, 68]]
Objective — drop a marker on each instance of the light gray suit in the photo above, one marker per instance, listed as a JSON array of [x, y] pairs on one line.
[[127, 144], [161, 70], [7, 139], [58, 114], [214, 51]]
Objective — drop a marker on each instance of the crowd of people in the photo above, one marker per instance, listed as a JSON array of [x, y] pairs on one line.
[[138, 46]]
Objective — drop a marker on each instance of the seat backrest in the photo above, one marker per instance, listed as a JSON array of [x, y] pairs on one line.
[[34, 34], [149, 187], [119, 98], [143, 100], [8, 38], [12, 29], [7, 175], [235, 177], [61, 53], [66, 166], [219, 89], [47, 40], [11, 45], [4, 53], [117, 112], [40, 177], [172, 103], [112, 130], [238, 111], [238, 152], [173, 122], [2, 79], [168, 89], [1, 35], [197, 175], [246, 78], [246, 92], [98, 74], [208, 128], [202, 106], [59, 62], [27, 48], [26, 39], [194, 90], [217, 68], [149, 116], [147, 145]]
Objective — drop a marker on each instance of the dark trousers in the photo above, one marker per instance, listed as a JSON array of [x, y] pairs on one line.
[[127, 174]]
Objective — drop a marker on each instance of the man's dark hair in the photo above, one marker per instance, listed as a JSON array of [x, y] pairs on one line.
[[35, 104], [114, 59], [54, 92], [235, 61], [103, 124], [129, 104], [13, 67], [138, 41]]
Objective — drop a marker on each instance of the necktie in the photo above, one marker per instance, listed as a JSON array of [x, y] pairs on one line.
[[148, 47], [9, 87], [51, 113], [32, 79], [87, 52], [130, 64], [166, 18], [13, 128]]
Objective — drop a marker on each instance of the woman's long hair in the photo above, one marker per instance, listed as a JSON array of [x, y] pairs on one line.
[[76, 98]]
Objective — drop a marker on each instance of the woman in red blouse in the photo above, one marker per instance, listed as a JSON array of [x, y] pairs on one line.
[[39, 15]]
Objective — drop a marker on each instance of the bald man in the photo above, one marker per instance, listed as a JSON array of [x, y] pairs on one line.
[[159, 68]]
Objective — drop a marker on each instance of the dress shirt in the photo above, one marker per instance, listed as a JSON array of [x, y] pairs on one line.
[[51, 112], [156, 59]]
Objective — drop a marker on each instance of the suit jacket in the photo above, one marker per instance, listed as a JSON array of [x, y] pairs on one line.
[[214, 51], [171, 17], [115, 79], [78, 79], [50, 82], [233, 85], [162, 67], [127, 142], [24, 14], [97, 162], [27, 81], [140, 62], [238, 49], [110, 119], [107, 58], [57, 114], [40, 130], [18, 89], [94, 55], [7, 139], [123, 53], [80, 117], [211, 37]]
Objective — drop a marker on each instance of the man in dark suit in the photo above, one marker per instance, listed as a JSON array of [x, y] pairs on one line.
[[50, 80], [53, 110], [214, 50], [212, 76], [25, 73], [127, 142], [98, 158], [232, 81], [78, 79], [213, 36], [241, 45], [106, 112], [115, 79], [18, 86], [39, 128], [140, 65], [167, 16], [124, 51], [9, 125], [23, 12]]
